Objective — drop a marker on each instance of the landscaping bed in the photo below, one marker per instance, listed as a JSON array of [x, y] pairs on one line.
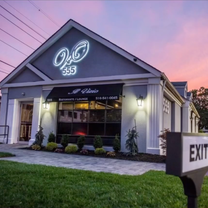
[[6, 154], [143, 157], [38, 186]]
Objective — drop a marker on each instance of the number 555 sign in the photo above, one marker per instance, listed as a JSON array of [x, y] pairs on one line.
[[63, 58]]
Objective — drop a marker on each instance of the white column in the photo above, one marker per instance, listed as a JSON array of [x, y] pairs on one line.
[[193, 123], [36, 118], [197, 126], [13, 120], [154, 117], [186, 126], [3, 112]]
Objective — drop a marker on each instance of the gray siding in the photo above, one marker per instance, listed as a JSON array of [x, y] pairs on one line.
[[100, 60], [49, 118], [131, 112], [25, 92], [26, 75]]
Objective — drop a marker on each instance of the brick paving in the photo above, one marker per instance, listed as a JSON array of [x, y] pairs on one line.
[[122, 167]]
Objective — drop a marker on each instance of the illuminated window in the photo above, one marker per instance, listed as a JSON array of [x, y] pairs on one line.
[[90, 118]]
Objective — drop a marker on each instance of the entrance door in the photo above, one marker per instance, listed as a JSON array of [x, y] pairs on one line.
[[26, 122]]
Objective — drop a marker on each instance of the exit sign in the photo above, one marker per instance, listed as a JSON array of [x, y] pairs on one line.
[[186, 152]]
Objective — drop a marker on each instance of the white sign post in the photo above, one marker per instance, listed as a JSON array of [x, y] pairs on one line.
[[187, 158]]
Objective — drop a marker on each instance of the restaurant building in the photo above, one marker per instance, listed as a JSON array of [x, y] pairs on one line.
[[79, 83]]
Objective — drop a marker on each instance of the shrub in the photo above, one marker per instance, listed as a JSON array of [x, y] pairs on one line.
[[131, 142], [51, 137], [71, 148], [99, 151], [111, 154], [39, 136], [81, 142], [163, 140], [51, 146], [116, 144], [84, 151], [65, 140], [36, 147], [98, 143]]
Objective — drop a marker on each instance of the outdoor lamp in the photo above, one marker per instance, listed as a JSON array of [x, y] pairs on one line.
[[140, 100], [46, 105]]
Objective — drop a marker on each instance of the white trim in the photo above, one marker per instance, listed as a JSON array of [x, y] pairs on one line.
[[83, 80], [170, 96], [91, 34], [125, 82], [38, 72]]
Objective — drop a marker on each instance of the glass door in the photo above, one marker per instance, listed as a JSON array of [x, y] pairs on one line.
[[26, 122]]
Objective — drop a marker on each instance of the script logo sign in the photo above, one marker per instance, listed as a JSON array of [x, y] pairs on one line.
[[63, 58]]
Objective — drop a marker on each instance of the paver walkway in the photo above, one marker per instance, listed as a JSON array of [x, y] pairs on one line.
[[122, 167]]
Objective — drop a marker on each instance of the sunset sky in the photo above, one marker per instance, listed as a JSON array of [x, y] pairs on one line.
[[171, 35]]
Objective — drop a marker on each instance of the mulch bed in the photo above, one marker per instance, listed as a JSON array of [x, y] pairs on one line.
[[142, 157]]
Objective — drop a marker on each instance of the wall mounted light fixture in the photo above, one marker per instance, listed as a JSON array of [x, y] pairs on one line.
[[140, 100], [46, 105]]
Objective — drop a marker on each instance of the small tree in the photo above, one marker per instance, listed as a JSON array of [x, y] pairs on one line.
[[81, 142], [131, 142], [65, 140], [51, 137], [163, 140], [116, 144], [98, 143], [39, 136]]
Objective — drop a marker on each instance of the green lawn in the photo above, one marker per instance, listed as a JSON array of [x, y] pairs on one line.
[[27, 186], [6, 154]]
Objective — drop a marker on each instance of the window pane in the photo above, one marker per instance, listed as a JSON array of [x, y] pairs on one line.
[[65, 106], [65, 116], [81, 105], [79, 129], [113, 129], [116, 104], [80, 116], [97, 104], [113, 115], [64, 128], [96, 129], [97, 116]]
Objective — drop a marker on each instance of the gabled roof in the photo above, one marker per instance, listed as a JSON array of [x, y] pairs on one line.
[[63, 30], [181, 84]]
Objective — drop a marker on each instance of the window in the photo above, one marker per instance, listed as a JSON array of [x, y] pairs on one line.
[[90, 118]]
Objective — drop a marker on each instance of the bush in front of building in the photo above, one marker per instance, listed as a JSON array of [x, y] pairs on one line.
[[99, 151], [116, 144], [36, 147], [71, 148], [81, 142], [98, 142], [163, 139], [65, 140], [51, 137], [51, 146], [131, 142], [39, 136]]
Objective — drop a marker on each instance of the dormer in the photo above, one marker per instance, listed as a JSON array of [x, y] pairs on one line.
[[182, 88]]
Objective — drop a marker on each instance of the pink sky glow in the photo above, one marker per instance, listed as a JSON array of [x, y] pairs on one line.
[[172, 36]]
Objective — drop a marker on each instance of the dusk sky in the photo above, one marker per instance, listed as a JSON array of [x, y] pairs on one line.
[[171, 35]]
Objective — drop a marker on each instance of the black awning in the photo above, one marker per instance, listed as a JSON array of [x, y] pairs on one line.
[[85, 93]]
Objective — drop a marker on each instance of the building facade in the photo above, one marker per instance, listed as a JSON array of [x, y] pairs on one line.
[[78, 83]]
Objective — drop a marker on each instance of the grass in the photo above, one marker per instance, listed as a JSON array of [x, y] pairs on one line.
[[6, 154], [26, 186]]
